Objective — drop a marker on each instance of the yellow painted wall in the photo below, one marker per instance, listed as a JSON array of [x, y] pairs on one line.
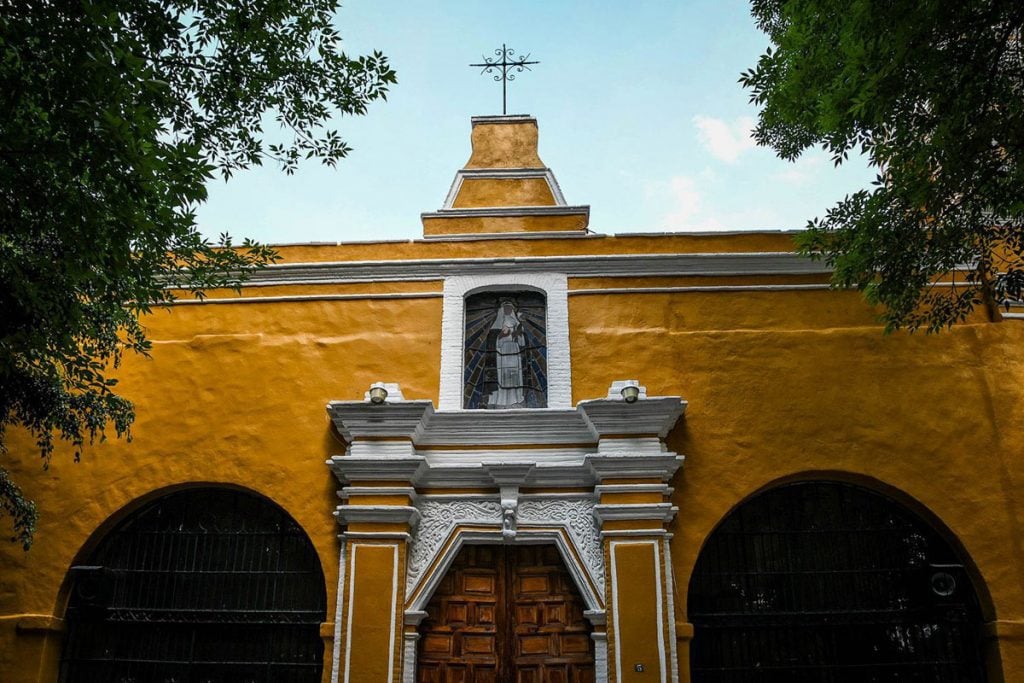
[[370, 655], [511, 192], [637, 648], [779, 384]]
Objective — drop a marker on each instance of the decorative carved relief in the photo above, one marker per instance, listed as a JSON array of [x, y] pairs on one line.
[[577, 516], [508, 521], [438, 518], [509, 508]]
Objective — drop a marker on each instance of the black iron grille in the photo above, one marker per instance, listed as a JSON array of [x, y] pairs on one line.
[[200, 586], [823, 582]]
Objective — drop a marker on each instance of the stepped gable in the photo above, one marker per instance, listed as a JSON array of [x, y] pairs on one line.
[[505, 187]]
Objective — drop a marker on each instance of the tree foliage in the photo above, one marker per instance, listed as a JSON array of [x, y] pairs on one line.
[[113, 116], [932, 92]]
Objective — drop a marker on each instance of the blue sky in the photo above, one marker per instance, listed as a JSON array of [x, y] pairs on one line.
[[638, 104]]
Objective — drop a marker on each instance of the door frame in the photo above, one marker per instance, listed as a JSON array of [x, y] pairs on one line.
[[468, 535]]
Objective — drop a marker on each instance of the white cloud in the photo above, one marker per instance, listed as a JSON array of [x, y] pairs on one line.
[[684, 199], [801, 171], [725, 141]]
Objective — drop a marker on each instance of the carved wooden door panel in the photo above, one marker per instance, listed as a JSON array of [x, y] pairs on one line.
[[506, 614], [459, 636], [550, 637]]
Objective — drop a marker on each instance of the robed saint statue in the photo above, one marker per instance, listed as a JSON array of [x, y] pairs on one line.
[[506, 341]]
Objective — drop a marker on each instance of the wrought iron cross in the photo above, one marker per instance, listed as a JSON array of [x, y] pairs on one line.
[[507, 69]]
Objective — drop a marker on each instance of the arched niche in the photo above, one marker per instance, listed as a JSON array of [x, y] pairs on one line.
[[554, 289], [505, 350], [830, 580], [199, 583]]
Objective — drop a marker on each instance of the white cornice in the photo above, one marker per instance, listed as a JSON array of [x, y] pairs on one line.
[[587, 265], [656, 416], [476, 469], [502, 118], [373, 468], [509, 212], [353, 493], [660, 512], [386, 514], [410, 442], [389, 424], [661, 466], [503, 174], [663, 489], [389, 420]]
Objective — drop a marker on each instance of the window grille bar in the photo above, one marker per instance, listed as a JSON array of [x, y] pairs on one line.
[[825, 582], [202, 585]]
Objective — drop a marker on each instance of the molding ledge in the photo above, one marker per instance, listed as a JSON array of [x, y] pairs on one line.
[[1005, 629], [599, 421], [379, 514], [412, 443], [586, 265], [503, 174], [660, 512], [39, 624], [509, 212]]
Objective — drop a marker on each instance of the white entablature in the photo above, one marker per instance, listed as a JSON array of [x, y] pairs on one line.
[[409, 441]]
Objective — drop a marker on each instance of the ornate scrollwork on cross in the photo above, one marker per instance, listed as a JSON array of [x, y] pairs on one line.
[[505, 69]]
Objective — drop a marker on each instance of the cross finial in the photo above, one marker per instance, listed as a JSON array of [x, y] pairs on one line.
[[504, 70]]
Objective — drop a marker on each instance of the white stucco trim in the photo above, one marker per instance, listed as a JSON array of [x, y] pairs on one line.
[[671, 608], [627, 266], [285, 298], [394, 614], [555, 288], [421, 593], [600, 656], [393, 606], [348, 620], [660, 612], [410, 643], [338, 613], [503, 174]]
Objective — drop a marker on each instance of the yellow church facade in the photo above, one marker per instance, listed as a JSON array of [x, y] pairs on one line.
[[515, 450]]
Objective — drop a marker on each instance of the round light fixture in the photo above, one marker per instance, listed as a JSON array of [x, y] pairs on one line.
[[630, 393], [378, 394]]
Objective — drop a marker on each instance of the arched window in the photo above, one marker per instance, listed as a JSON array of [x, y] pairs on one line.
[[829, 582], [505, 363], [204, 585]]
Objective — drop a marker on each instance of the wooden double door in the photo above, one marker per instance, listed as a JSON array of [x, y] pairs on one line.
[[506, 614]]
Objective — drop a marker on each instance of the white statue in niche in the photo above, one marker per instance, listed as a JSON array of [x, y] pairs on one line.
[[509, 341]]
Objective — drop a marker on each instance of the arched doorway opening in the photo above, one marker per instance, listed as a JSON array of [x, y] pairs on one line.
[[506, 613], [825, 581], [202, 584]]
